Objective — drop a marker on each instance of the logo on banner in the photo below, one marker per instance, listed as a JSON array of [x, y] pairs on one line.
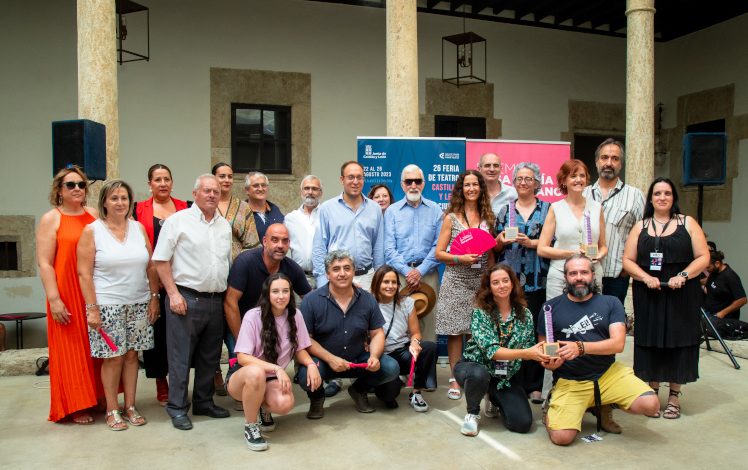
[[449, 156], [367, 150], [370, 153]]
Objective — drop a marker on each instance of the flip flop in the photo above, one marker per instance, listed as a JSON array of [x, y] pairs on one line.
[[453, 393]]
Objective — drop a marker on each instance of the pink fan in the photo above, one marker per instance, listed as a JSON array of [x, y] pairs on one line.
[[472, 241], [108, 340], [412, 370], [358, 365]]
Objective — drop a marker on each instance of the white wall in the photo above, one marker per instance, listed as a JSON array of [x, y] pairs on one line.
[[164, 104]]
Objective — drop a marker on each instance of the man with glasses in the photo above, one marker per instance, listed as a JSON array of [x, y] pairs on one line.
[[489, 166], [350, 222], [265, 212], [302, 224], [623, 206], [411, 228]]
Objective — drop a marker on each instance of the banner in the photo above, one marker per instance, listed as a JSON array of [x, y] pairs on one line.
[[441, 159], [549, 156]]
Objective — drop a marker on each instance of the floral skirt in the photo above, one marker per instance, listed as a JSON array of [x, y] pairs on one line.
[[128, 327]]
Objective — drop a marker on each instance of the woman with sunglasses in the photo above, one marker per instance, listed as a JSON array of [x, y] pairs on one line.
[[152, 213], [271, 335], [74, 377]]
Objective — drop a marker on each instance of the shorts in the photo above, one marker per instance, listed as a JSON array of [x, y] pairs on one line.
[[571, 398], [128, 327]]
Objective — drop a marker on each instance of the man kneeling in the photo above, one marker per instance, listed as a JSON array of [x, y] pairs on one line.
[[339, 317], [592, 330]]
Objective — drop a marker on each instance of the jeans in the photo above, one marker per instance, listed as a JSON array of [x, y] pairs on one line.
[[512, 402], [424, 375], [616, 286], [388, 371]]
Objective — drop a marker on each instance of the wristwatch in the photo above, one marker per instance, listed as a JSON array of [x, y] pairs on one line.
[[683, 274]]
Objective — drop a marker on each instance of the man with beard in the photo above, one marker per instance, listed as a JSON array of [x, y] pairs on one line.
[[623, 206], [302, 223], [590, 329]]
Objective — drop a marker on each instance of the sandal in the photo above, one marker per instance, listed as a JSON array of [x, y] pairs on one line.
[[134, 417], [672, 410], [115, 423], [657, 392], [83, 417], [453, 393]]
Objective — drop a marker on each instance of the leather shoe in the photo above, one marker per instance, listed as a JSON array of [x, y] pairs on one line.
[[316, 408], [214, 411], [360, 400], [181, 422]]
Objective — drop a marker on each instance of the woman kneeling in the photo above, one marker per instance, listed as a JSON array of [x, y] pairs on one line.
[[502, 336], [268, 338]]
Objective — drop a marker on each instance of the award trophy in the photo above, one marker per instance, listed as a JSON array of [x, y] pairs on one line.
[[551, 346], [511, 230], [590, 249]]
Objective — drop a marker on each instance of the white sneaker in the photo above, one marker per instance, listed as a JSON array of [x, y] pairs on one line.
[[491, 410], [470, 425], [417, 402]]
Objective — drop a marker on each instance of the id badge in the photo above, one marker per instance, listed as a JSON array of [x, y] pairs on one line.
[[475, 266], [501, 368], [655, 261]]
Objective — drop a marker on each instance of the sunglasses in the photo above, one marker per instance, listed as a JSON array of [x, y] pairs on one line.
[[72, 184], [409, 181]]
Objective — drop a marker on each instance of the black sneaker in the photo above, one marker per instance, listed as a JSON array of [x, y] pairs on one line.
[[266, 421], [254, 438]]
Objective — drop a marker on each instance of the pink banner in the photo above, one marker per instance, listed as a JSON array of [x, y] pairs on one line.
[[549, 156]]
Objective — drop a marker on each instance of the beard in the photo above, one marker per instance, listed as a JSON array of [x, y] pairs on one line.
[[413, 197], [608, 173], [580, 290], [310, 201]]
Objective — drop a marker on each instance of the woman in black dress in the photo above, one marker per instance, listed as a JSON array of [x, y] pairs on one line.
[[665, 254]]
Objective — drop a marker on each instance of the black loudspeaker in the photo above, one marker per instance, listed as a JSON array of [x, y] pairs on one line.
[[79, 142], [704, 158]]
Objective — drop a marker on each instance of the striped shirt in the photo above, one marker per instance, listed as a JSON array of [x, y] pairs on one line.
[[623, 207]]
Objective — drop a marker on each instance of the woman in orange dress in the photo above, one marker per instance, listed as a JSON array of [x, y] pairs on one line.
[[74, 377]]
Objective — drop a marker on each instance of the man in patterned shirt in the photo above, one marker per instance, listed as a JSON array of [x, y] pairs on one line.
[[623, 206]]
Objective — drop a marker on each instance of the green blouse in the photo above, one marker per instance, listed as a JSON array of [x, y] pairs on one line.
[[486, 340]]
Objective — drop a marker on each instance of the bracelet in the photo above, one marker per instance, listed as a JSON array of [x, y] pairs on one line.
[[416, 340], [311, 364], [456, 261], [580, 346], [155, 295], [91, 307]]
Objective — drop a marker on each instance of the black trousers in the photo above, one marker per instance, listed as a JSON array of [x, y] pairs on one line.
[[512, 402], [155, 360], [193, 339], [424, 375], [531, 371]]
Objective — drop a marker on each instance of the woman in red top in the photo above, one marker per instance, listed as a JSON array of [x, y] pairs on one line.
[[74, 377], [152, 213]]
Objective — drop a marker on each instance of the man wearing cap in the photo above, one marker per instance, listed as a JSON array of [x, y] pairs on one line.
[[411, 229]]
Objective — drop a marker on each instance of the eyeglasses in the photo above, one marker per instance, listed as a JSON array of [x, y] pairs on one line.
[[72, 184], [526, 179], [416, 181], [354, 178], [258, 185]]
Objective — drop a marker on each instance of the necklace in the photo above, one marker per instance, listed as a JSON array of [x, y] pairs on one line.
[[659, 222], [119, 240]]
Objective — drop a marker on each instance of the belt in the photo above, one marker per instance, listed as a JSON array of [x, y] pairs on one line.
[[207, 295], [362, 271], [414, 264]]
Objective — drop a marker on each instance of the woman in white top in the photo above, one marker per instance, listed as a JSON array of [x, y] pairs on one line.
[[569, 223], [120, 287]]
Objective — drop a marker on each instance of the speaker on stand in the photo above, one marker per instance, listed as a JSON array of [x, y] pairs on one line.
[[79, 142], [704, 162]]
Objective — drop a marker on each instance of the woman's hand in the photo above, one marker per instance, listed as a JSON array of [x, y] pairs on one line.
[[154, 310], [676, 282], [283, 379], [524, 240], [59, 312], [414, 348], [468, 259], [313, 379], [535, 353], [651, 282], [94, 318]]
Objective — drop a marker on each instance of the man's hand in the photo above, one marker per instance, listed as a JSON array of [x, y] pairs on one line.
[[568, 350], [553, 363], [373, 364], [338, 364], [177, 304], [413, 279]]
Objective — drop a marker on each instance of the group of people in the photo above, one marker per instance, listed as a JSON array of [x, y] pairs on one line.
[[328, 286]]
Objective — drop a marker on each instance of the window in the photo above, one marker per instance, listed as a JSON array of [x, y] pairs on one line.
[[9, 256], [260, 138]]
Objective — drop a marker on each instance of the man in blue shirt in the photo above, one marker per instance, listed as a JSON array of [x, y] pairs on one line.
[[340, 317], [350, 222], [411, 228]]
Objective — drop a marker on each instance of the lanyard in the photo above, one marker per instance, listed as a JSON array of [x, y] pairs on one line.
[[611, 196], [657, 237]]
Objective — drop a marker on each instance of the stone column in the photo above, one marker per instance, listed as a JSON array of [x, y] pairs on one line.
[[97, 73], [640, 125], [402, 69]]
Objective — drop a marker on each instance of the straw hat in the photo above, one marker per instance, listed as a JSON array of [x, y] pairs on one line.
[[424, 297]]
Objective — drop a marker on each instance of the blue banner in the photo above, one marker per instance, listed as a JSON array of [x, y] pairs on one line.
[[441, 159]]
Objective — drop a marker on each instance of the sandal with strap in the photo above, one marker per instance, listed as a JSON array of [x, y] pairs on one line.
[[114, 421], [672, 411], [134, 417], [453, 393]]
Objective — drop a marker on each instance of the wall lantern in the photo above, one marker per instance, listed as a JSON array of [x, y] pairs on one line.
[[134, 10]]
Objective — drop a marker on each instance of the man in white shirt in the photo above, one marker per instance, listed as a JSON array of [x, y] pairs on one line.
[[623, 206], [302, 223], [192, 258], [489, 166]]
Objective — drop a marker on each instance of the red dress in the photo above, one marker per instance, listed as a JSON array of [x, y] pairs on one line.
[[74, 377]]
